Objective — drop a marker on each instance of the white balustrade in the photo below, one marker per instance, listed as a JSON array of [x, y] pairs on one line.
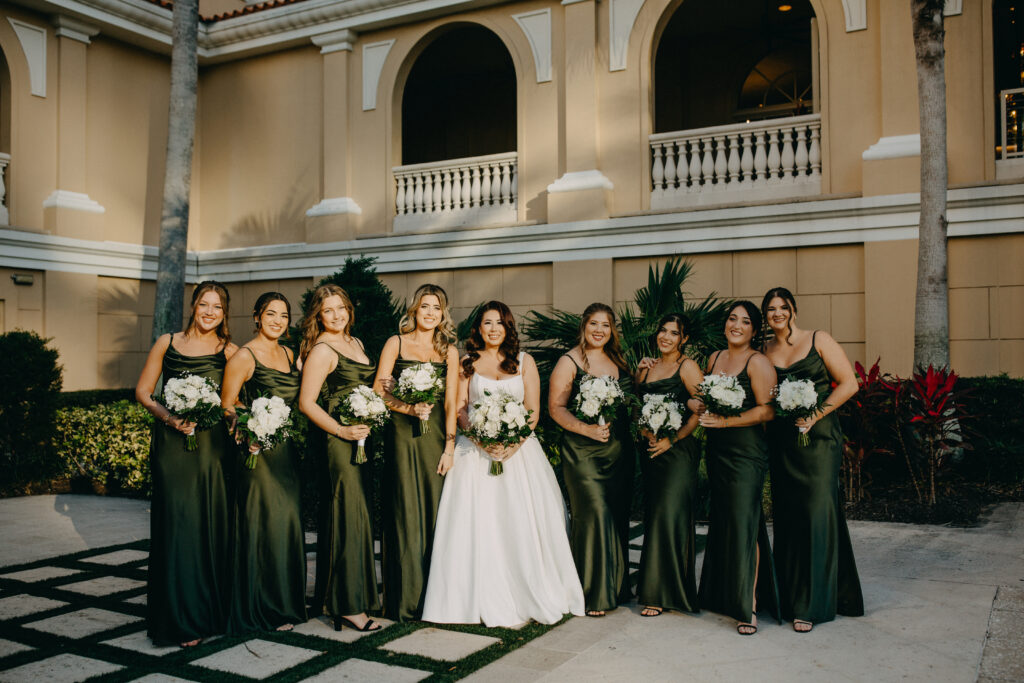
[[777, 158], [473, 191], [5, 161]]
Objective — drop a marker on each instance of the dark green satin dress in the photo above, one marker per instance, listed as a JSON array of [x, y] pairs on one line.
[[189, 523], [813, 554], [667, 577], [737, 462], [599, 479], [269, 557], [412, 492], [346, 577]]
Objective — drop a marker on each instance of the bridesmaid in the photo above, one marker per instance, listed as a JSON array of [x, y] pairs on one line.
[[188, 559], [334, 363], [598, 463], [415, 462], [738, 576], [667, 579], [813, 554], [268, 589]]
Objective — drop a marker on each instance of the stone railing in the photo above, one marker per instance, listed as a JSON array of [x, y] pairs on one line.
[[770, 159], [454, 193], [5, 161]]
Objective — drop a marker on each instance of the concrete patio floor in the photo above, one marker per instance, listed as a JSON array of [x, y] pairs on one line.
[[942, 605]]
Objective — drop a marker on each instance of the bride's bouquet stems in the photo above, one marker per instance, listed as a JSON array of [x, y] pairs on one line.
[[498, 419]]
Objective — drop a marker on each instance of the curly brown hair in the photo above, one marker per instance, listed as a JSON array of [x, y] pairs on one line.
[[509, 348], [312, 327]]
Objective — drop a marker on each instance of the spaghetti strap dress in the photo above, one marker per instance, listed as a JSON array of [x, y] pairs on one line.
[[190, 520], [599, 479], [667, 576], [813, 553], [346, 577], [269, 557], [737, 462]]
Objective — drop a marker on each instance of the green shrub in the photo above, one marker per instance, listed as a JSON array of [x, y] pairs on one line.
[[996, 407], [93, 397], [31, 379], [109, 443]]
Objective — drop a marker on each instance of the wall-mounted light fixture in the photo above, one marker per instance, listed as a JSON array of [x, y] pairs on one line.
[[23, 279]]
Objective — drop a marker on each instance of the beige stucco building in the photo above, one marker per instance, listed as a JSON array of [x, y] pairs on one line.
[[536, 151]]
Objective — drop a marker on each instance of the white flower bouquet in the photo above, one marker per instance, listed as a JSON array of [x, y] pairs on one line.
[[421, 383], [722, 394], [195, 399], [266, 423], [363, 406], [498, 419], [660, 415], [795, 399], [598, 399]]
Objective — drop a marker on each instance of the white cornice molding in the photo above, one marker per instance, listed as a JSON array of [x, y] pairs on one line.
[[987, 210], [74, 29], [581, 180], [76, 201], [335, 41], [334, 206], [894, 147]]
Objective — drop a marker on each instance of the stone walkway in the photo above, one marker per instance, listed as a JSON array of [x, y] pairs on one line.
[[942, 605]]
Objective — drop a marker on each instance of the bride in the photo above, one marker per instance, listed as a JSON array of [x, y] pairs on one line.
[[501, 552]]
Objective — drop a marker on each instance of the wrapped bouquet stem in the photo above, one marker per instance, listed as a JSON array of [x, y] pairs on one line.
[[363, 406], [421, 383], [195, 399], [265, 423], [795, 399], [498, 419]]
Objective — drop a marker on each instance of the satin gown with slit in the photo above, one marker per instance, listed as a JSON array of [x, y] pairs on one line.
[[346, 578], [737, 462], [189, 585], [599, 479], [667, 577], [410, 497], [269, 558], [501, 552], [813, 553]]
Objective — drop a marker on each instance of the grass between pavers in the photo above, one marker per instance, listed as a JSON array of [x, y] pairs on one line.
[[180, 662]]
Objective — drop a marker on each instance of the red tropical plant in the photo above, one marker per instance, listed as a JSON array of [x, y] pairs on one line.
[[867, 419]]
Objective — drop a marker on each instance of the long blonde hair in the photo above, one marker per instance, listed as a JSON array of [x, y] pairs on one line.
[[444, 333], [312, 327]]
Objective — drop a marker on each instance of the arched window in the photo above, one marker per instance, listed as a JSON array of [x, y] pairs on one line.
[[726, 62], [460, 98]]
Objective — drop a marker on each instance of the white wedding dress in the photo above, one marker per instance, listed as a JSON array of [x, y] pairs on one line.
[[501, 550]]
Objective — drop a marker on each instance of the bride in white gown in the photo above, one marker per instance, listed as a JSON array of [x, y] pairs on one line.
[[501, 551]]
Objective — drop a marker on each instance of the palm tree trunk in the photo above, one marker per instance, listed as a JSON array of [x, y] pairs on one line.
[[181, 126], [931, 312]]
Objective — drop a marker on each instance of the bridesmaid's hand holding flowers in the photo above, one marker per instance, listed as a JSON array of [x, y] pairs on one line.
[[599, 433]]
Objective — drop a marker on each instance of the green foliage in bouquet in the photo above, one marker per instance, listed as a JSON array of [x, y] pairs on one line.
[[31, 379], [108, 443], [377, 310]]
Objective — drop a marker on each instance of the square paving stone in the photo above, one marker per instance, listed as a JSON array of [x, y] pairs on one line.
[[437, 643], [160, 678], [9, 647], [137, 600], [118, 557], [19, 605], [140, 642], [257, 658], [64, 668], [82, 623], [324, 628], [104, 585], [40, 574], [362, 671]]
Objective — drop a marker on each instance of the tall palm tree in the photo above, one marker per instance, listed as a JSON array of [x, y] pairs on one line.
[[931, 311], [181, 126]]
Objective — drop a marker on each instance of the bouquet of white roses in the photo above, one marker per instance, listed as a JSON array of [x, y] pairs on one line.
[[421, 383], [795, 399], [195, 399], [598, 399], [660, 415], [722, 394], [498, 419], [363, 406], [266, 423]]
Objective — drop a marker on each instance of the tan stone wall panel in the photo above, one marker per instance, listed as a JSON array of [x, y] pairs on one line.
[[830, 270], [23, 304], [966, 147], [528, 286], [847, 317], [1011, 357], [855, 352], [974, 357], [577, 284], [969, 314], [476, 285], [72, 320], [1010, 309], [712, 273], [1011, 259], [975, 261], [814, 311], [890, 276], [755, 272]]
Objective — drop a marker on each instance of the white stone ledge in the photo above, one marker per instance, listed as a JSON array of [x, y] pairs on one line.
[[76, 201], [581, 180], [985, 210], [894, 147], [333, 206]]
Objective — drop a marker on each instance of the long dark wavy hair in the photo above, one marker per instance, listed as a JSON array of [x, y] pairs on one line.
[[786, 296], [264, 300], [613, 348], [312, 327], [223, 333], [754, 313], [509, 348], [681, 321]]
